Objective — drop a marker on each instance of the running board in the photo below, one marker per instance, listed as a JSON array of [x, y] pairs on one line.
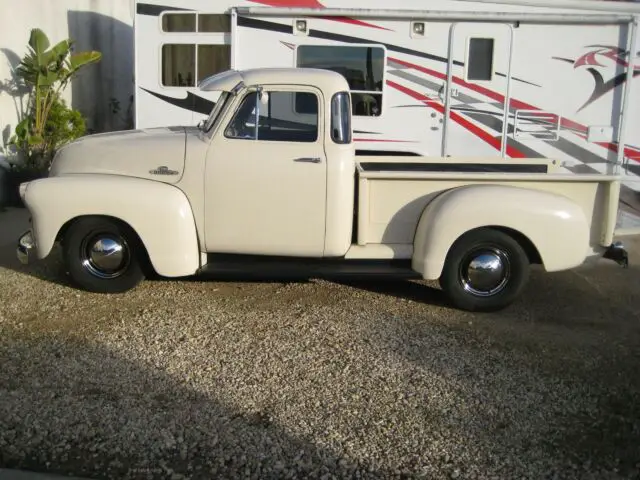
[[263, 267]]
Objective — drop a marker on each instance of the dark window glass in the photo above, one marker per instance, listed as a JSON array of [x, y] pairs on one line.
[[178, 65], [277, 120], [340, 118], [210, 22], [363, 67], [213, 59], [480, 62], [179, 22]]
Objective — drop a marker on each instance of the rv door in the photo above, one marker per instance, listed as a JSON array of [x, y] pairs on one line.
[[476, 88]]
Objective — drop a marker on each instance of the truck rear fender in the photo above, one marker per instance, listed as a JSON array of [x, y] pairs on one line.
[[551, 227], [159, 213]]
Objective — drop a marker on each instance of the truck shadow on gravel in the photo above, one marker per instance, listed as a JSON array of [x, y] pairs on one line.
[[78, 408]]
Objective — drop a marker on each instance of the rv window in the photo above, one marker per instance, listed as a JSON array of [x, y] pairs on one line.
[[277, 120], [178, 65], [362, 66], [210, 22], [179, 22], [186, 22], [213, 59], [480, 59]]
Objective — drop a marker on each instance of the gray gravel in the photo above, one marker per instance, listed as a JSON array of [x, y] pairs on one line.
[[203, 379]]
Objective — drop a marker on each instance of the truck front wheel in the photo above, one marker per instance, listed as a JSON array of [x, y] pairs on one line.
[[485, 270], [103, 255]]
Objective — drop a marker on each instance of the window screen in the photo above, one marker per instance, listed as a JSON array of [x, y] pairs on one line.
[[362, 66], [187, 22], [179, 63], [480, 60], [277, 120], [179, 22], [213, 59], [209, 22]]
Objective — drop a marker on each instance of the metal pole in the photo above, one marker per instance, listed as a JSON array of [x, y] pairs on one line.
[[507, 97], [447, 95], [633, 26]]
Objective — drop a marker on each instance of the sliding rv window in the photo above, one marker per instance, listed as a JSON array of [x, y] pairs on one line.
[[480, 59], [196, 22], [362, 66], [185, 65]]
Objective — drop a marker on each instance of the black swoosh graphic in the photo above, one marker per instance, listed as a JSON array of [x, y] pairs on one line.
[[156, 10], [278, 27], [601, 87], [190, 102]]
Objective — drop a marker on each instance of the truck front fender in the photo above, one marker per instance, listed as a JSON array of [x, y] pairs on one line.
[[555, 225], [158, 212]]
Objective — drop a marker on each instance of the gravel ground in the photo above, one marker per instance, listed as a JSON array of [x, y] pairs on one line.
[[202, 379]]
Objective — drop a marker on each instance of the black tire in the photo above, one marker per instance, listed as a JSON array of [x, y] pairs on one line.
[[471, 291], [93, 271]]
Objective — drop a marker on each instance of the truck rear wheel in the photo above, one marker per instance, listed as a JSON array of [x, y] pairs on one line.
[[485, 270], [103, 255]]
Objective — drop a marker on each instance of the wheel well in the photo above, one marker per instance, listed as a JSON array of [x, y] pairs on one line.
[[530, 249], [144, 254], [524, 241]]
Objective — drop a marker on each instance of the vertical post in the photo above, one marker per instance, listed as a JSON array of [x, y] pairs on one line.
[[234, 38], [631, 45], [507, 97], [447, 95]]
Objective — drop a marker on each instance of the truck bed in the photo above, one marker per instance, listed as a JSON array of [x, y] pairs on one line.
[[392, 192]]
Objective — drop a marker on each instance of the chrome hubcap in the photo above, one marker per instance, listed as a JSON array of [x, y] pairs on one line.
[[105, 255], [485, 271]]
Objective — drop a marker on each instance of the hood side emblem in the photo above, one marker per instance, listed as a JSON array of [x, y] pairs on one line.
[[163, 171]]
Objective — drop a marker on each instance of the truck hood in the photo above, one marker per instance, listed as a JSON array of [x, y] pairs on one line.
[[154, 153]]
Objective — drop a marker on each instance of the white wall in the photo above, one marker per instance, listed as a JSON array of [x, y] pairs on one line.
[[104, 25]]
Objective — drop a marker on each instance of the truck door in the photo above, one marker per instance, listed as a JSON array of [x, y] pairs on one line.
[[265, 181], [478, 76]]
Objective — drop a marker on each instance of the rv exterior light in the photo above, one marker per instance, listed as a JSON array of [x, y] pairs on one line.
[[300, 27], [417, 29]]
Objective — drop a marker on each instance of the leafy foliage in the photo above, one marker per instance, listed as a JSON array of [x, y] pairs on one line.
[[49, 123]]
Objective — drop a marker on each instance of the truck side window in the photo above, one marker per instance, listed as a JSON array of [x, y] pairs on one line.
[[277, 119], [341, 118]]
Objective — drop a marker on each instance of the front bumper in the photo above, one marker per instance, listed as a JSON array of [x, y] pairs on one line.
[[26, 247]]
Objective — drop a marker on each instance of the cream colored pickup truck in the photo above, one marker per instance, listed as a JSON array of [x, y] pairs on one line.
[[270, 183]]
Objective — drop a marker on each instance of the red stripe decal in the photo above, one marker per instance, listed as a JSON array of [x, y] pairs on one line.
[[477, 131], [632, 153], [316, 4], [353, 21]]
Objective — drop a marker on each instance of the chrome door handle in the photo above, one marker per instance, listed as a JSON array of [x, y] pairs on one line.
[[308, 159]]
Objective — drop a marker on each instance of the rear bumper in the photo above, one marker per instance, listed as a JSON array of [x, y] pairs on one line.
[[618, 254], [26, 248]]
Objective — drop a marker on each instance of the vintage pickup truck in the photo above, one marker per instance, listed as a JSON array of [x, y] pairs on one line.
[[271, 183]]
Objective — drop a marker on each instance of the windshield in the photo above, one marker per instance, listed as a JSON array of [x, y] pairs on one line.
[[215, 113]]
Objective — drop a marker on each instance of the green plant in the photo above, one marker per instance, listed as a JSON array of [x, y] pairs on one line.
[[48, 123]]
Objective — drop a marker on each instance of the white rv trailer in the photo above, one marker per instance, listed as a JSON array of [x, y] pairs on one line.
[[443, 78]]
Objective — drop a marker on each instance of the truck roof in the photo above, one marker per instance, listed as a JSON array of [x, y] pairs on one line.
[[228, 80]]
